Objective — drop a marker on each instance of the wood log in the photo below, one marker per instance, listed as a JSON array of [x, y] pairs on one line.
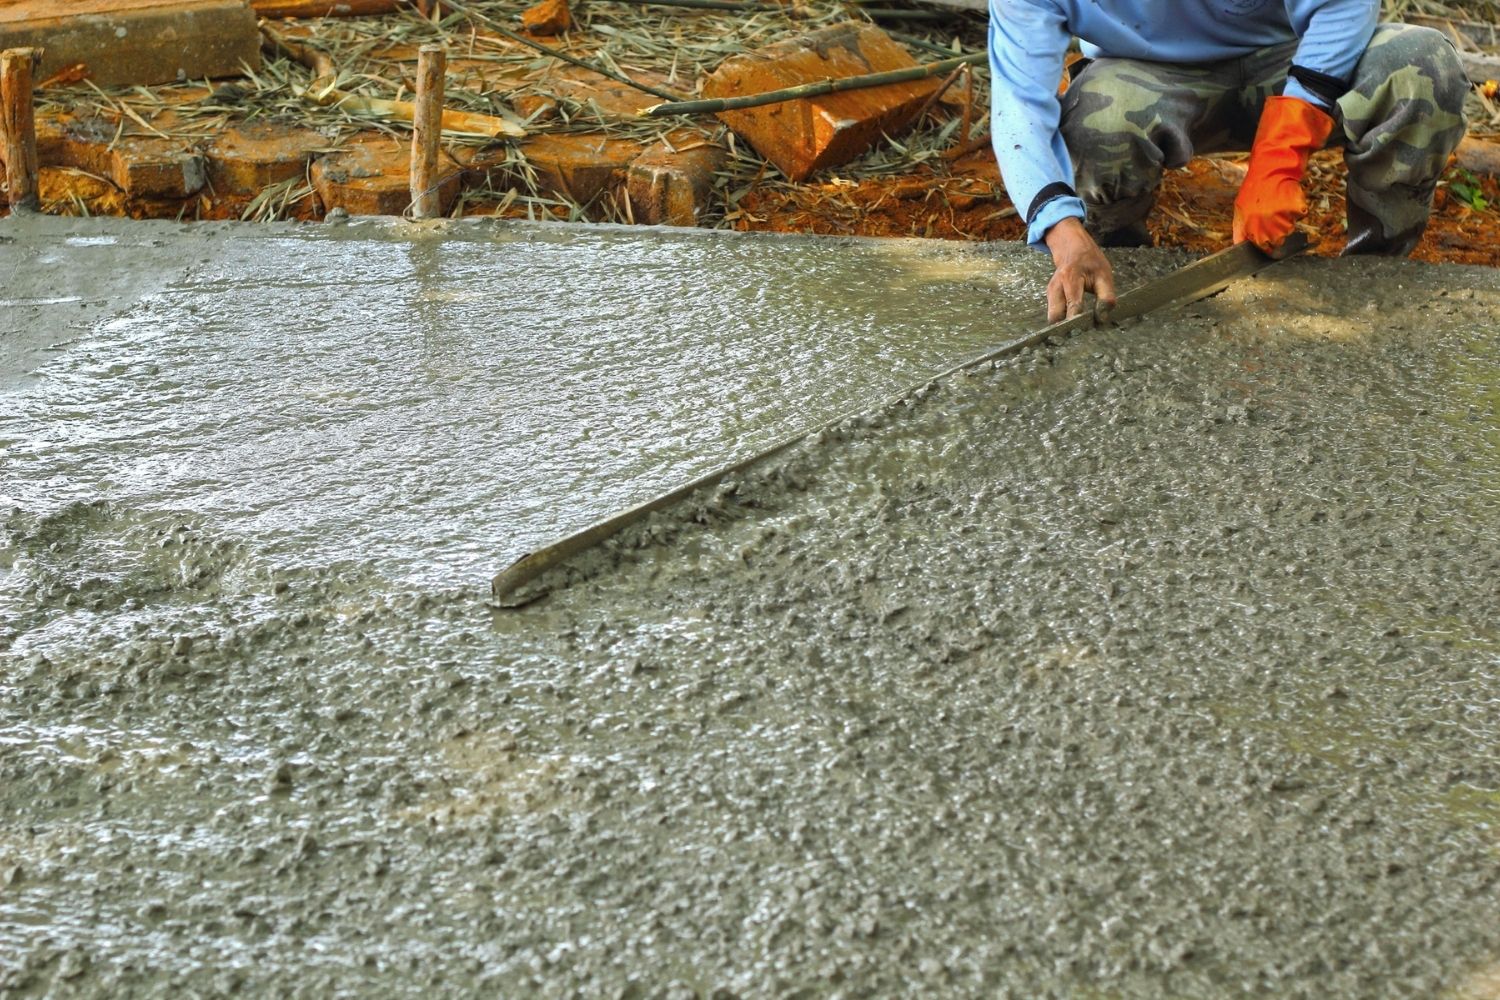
[[432, 68], [18, 126], [1479, 156], [1480, 68], [467, 122], [327, 8]]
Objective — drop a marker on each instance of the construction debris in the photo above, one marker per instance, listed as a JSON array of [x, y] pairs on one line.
[[550, 17]]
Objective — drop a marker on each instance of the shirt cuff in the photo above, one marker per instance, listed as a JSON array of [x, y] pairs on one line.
[[1049, 215], [1301, 93]]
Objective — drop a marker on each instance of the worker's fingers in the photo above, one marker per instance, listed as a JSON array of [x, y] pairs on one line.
[[1104, 295], [1057, 298]]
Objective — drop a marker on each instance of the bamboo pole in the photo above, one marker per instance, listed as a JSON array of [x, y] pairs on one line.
[[736, 6], [18, 126], [963, 128], [712, 105], [326, 8], [427, 127], [278, 44], [468, 122]]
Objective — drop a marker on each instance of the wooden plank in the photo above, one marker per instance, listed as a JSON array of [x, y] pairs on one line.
[[135, 41]]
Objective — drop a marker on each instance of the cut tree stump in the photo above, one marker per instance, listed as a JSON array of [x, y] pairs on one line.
[[811, 134], [374, 178], [135, 41], [671, 184]]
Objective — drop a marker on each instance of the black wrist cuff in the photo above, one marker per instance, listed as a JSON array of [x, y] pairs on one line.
[[1056, 189], [1321, 85]]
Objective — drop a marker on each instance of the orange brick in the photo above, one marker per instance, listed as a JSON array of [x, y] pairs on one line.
[[373, 178], [811, 134], [672, 184]]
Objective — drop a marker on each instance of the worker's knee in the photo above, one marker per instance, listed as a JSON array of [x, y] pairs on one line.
[[1404, 114], [1407, 65], [1123, 120], [1106, 110]]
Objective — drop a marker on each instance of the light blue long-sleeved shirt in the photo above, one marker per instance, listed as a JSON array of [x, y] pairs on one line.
[[1029, 41]]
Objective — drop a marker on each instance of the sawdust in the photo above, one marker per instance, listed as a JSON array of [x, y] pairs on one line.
[[966, 201]]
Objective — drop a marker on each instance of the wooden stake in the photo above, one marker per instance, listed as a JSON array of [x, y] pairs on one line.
[[937, 95], [18, 126], [432, 66], [963, 128]]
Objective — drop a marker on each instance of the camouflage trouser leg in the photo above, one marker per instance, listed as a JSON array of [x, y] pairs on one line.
[[1125, 120], [1400, 122]]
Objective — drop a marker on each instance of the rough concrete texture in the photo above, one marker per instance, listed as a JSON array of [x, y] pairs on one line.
[[1157, 663]]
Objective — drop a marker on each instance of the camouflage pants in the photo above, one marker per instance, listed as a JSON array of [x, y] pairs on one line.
[[1124, 120]]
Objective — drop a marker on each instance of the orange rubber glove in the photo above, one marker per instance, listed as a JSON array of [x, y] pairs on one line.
[[1271, 200]]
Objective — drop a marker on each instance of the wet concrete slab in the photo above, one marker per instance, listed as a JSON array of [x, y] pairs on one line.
[[1161, 662]]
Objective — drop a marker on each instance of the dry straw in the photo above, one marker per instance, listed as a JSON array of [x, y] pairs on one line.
[[664, 50]]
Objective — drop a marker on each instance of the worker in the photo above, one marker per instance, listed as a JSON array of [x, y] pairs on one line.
[[1164, 82]]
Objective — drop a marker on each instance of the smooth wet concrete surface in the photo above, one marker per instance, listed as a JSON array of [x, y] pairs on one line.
[[1163, 662]]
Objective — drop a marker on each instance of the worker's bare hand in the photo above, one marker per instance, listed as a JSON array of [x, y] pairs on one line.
[[1081, 268]]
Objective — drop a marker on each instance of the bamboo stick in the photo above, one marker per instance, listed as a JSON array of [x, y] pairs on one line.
[[326, 8], [736, 6], [432, 67], [713, 105], [18, 126], [963, 127], [278, 44], [937, 95], [973, 145], [323, 92]]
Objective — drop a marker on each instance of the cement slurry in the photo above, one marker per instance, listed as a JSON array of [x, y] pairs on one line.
[[1157, 663]]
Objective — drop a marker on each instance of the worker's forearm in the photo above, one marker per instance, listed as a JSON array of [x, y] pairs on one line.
[[1334, 36], [1028, 41]]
